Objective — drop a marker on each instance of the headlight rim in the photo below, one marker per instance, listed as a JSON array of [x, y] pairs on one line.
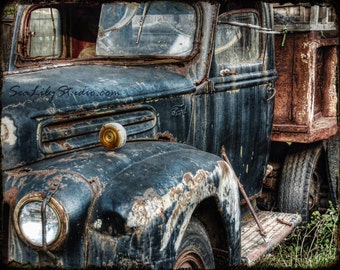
[[57, 208]]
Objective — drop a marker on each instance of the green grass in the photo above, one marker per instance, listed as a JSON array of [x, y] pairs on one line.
[[312, 246]]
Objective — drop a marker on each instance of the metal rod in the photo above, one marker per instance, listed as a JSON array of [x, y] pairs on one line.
[[243, 192]]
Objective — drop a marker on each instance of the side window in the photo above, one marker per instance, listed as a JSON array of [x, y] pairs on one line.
[[44, 33], [237, 39]]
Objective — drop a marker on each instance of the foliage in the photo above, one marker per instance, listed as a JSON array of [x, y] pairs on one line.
[[8, 10], [310, 246]]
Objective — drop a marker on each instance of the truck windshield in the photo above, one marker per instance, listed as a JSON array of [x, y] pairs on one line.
[[159, 28]]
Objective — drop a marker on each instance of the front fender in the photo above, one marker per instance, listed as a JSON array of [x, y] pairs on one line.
[[74, 194], [132, 204], [143, 212]]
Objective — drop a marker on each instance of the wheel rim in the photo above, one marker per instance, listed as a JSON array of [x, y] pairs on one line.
[[189, 260], [314, 191], [319, 192]]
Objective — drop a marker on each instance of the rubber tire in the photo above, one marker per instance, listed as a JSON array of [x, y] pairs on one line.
[[296, 179], [195, 243], [333, 152]]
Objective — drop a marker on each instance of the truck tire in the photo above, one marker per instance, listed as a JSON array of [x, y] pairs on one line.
[[301, 179], [333, 166], [195, 251]]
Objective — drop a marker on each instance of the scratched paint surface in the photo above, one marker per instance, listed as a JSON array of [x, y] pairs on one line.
[[132, 206], [158, 217]]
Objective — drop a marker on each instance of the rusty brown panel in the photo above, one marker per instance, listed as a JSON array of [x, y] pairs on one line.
[[305, 104], [323, 128], [290, 128], [284, 61], [320, 75], [304, 68], [325, 98], [328, 79]]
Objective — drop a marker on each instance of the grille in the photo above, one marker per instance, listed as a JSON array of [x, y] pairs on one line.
[[72, 132]]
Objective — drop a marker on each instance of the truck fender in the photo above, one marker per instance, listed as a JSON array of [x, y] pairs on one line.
[[157, 207]]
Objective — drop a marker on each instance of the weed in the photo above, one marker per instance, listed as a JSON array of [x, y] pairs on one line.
[[310, 246]]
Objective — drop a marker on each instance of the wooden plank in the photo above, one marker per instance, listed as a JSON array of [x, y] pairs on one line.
[[277, 226]]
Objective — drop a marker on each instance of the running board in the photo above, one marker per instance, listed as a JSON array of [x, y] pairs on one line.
[[276, 225]]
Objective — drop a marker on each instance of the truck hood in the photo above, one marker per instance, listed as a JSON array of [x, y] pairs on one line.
[[69, 88], [32, 101], [109, 180]]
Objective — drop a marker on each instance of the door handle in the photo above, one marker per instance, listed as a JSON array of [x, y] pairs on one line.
[[271, 92]]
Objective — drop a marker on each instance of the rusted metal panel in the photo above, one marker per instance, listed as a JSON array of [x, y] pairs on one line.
[[305, 105], [322, 129]]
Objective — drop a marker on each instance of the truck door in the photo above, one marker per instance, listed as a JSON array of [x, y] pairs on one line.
[[239, 106]]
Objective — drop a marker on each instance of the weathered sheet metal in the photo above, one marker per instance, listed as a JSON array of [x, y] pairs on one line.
[[161, 204], [30, 100], [131, 215], [131, 206], [306, 100]]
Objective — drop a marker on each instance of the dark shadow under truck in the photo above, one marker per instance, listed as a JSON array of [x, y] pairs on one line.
[[125, 128]]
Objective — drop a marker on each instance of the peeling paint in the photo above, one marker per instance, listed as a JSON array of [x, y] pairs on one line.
[[8, 131], [144, 210], [305, 103]]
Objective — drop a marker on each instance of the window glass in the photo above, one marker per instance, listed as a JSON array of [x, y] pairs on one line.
[[44, 36], [151, 28], [236, 40]]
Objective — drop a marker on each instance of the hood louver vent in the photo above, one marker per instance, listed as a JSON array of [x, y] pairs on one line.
[[82, 130]]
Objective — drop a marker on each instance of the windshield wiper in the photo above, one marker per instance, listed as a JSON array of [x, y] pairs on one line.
[[142, 19]]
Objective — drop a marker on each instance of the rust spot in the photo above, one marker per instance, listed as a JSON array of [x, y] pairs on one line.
[[4, 132], [54, 183], [187, 179], [10, 196], [284, 222], [165, 136]]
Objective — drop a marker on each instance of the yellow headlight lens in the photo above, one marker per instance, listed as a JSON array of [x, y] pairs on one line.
[[112, 136]]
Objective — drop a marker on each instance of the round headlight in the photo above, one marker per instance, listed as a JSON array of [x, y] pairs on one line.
[[28, 221], [112, 136]]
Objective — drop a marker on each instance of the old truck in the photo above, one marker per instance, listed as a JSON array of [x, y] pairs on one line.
[[305, 139], [137, 135]]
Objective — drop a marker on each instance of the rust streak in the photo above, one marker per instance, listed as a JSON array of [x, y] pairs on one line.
[[284, 222], [10, 196]]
